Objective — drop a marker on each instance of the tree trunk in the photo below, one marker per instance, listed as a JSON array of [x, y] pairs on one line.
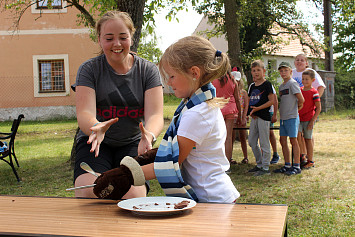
[[247, 72], [135, 9], [327, 9], [232, 32]]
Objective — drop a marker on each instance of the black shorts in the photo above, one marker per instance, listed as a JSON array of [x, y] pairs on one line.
[[109, 157]]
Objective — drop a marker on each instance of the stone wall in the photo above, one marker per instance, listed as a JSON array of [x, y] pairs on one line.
[[38, 113]]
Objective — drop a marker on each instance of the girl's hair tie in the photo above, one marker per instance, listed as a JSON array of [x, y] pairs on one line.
[[218, 53]]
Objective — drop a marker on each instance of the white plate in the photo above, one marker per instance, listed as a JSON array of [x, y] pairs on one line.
[[155, 206]]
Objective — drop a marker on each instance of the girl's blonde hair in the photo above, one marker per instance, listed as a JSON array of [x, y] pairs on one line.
[[110, 15], [224, 79], [195, 51], [241, 84]]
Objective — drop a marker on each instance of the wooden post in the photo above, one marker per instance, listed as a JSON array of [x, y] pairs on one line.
[[329, 62]]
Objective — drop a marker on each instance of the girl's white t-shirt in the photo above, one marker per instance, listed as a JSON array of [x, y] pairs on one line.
[[205, 166], [298, 77]]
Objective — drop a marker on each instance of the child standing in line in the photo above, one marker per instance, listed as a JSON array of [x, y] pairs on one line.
[[291, 101], [226, 87], [244, 103], [261, 97], [190, 161], [273, 113], [308, 114], [301, 64]]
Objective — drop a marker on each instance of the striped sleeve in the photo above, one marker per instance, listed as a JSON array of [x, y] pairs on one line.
[[316, 97]]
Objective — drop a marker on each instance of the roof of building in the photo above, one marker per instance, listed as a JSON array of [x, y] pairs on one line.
[[290, 46]]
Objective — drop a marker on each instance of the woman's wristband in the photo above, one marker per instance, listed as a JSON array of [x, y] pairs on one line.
[[96, 124]]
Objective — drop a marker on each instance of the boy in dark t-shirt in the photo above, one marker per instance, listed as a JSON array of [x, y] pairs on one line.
[[260, 99]]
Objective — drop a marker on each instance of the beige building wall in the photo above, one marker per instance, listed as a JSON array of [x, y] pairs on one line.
[[46, 36]]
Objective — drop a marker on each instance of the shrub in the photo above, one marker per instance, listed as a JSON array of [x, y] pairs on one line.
[[344, 90]]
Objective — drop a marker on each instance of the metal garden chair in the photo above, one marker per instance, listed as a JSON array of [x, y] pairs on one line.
[[10, 152]]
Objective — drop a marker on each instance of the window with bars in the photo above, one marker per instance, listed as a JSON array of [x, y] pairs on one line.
[[51, 76], [49, 4]]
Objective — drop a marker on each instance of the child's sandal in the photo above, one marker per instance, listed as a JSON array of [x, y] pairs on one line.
[[245, 161], [308, 165], [233, 162], [304, 160]]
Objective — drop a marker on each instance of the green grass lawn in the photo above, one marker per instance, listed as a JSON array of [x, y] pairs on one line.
[[320, 200]]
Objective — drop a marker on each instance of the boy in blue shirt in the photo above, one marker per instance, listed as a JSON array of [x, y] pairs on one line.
[[291, 101]]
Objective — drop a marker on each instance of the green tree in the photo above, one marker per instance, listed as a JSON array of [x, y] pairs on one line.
[[343, 20], [232, 26], [148, 48], [141, 11], [90, 10], [345, 90], [255, 22], [344, 29]]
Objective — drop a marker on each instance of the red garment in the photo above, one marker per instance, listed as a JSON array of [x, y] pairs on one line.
[[227, 91], [308, 110]]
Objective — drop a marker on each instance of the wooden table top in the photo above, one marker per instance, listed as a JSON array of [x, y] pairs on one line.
[[44, 216]]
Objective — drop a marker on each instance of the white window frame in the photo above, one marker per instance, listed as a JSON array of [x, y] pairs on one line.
[[34, 9], [37, 58]]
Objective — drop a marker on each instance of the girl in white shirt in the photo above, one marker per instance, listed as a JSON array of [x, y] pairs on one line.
[[190, 161], [301, 64], [189, 65]]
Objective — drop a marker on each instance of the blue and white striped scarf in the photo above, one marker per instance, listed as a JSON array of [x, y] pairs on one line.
[[166, 164]]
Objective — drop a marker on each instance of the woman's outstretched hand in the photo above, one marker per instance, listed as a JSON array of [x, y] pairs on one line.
[[145, 143], [98, 134]]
